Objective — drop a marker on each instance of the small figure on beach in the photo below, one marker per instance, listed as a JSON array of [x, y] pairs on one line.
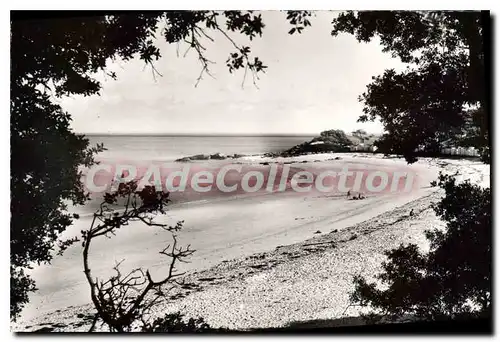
[[354, 197]]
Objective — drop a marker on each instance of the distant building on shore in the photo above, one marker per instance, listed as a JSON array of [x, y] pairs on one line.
[[448, 150], [363, 148], [461, 151]]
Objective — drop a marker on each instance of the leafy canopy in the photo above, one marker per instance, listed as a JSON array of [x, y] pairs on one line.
[[57, 55], [428, 103], [441, 98]]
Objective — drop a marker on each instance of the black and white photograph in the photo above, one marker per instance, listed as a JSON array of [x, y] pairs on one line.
[[251, 171]]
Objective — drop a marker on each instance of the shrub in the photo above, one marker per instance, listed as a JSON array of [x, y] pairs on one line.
[[453, 279]]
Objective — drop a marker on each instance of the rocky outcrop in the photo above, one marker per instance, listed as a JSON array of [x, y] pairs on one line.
[[334, 140], [215, 156], [311, 147]]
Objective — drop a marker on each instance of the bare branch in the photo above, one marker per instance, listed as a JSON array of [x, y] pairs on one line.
[[126, 298]]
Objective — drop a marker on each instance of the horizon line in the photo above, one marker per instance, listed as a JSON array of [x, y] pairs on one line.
[[202, 134], [194, 134]]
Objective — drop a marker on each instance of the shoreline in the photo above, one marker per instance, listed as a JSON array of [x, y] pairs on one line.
[[230, 279], [304, 230]]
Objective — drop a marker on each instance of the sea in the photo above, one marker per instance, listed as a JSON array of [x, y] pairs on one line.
[[170, 147], [146, 149]]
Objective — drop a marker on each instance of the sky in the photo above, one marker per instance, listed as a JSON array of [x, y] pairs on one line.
[[312, 84]]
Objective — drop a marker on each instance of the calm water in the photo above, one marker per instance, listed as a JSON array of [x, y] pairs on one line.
[[144, 149], [169, 148]]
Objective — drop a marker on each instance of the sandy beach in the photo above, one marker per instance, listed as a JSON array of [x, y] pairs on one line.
[[261, 260]]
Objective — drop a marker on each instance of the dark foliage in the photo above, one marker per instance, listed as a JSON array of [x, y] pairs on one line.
[[441, 99], [354, 325], [45, 156], [453, 280], [175, 323], [361, 135], [426, 104]]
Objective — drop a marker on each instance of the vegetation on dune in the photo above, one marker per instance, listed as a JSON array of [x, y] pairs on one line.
[[361, 135], [334, 140], [335, 137]]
